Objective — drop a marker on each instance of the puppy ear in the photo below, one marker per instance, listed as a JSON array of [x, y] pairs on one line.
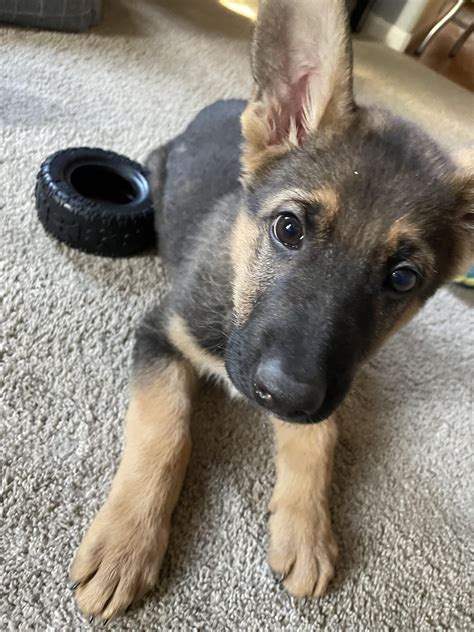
[[302, 66]]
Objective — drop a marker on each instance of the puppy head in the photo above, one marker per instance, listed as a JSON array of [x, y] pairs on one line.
[[352, 218]]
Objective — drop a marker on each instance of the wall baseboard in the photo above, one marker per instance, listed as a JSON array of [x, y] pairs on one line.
[[381, 30]]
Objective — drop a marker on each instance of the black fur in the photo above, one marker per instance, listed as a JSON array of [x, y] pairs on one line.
[[329, 306], [151, 340]]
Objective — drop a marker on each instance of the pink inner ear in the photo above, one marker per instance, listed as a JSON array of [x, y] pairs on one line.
[[290, 107]]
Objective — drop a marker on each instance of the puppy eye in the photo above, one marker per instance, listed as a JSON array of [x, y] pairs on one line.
[[288, 230], [402, 279]]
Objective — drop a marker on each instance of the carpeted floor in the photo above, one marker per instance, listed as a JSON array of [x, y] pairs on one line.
[[402, 501]]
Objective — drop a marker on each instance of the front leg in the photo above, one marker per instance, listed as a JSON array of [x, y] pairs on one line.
[[120, 556], [302, 546]]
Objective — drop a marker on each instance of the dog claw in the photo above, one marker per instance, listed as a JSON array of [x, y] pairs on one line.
[[74, 586], [91, 619], [105, 623]]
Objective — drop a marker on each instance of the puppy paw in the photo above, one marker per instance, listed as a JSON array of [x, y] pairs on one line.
[[118, 560], [302, 551]]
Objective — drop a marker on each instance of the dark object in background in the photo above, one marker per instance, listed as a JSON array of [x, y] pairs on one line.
[[61, 15], [97, 201], [443, 21], [451, 52], [359, 9]]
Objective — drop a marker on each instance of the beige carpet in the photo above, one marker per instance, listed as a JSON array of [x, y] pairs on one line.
[[402, 501]]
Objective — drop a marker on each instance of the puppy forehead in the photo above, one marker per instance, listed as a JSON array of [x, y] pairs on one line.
[[379, 171]]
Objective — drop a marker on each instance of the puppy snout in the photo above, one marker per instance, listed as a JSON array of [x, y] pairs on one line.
[[285, 396]]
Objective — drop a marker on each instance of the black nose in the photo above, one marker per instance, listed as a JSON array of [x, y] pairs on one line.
[[284, 395]]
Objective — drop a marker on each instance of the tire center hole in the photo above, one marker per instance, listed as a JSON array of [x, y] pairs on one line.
[[97, 182]]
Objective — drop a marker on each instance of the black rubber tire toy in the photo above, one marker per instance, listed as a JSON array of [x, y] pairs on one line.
[[97, 201]]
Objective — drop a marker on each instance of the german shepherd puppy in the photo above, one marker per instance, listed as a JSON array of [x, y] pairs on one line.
[[346, 221]]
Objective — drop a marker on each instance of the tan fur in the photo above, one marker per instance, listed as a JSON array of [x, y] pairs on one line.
[[243, 254], [204, 362], [465, 259], [464, 181], [401, 228], [120, 557], [464, 159], [256, 151], [327, 200], [302, 545], [294, 197]]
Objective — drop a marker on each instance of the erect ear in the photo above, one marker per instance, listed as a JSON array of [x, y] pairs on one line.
[[302, 66]]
